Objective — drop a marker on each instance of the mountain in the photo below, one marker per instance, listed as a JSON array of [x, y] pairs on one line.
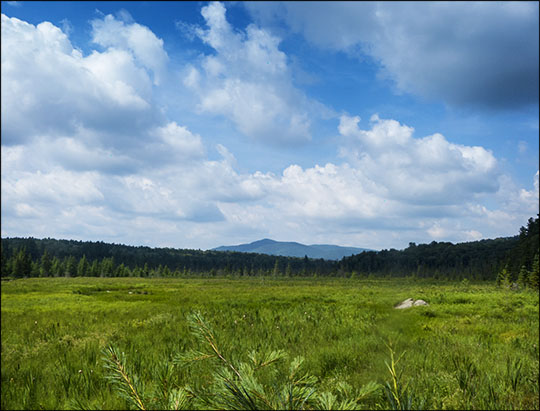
[[293, 249]]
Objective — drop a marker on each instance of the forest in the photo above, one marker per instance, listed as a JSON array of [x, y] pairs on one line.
[[510, 259]]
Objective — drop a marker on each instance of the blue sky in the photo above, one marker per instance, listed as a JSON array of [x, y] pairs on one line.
[[199, 124]]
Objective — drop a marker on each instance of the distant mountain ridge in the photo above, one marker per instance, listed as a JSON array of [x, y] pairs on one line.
[[294, 249]]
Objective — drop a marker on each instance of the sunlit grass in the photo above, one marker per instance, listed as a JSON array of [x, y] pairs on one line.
[[472, 337]]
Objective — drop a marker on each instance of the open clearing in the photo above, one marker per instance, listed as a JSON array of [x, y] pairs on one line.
[[474, 347]]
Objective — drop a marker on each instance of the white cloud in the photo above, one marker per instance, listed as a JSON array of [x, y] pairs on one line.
[[184, 143], [418, 171], [139, 40], [85, 154], [46, 189], [49, 88], [248, 81]]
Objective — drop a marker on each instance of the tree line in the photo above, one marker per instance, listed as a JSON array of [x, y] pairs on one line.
[[507, 260], [31, 257], [503, 259], [521, 266]]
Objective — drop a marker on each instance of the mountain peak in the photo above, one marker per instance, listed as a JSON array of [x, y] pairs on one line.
[[294, 249], [263, 241]]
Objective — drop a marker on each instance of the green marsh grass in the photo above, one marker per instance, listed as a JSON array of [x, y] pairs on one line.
[[474, 347]]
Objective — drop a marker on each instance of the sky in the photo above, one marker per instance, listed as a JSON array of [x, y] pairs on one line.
[[200, 124]]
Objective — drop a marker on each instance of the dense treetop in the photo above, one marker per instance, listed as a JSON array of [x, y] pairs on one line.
[[479, 260]]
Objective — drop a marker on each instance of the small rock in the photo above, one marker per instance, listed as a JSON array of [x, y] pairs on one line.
[[409, 302], [405, 304]]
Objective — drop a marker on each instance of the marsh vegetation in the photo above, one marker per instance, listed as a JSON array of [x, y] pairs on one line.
[[474, 347]]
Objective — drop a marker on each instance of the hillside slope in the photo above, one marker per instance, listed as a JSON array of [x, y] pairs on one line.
[[294, 249]]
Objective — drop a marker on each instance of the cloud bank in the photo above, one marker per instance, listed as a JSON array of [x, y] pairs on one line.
[[486, 57], [89, 153]]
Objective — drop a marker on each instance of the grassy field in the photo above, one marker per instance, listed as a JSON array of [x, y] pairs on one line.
[[474, 347]]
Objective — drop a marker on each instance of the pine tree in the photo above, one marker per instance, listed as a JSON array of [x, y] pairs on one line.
[[56, 267], [120, 271], [46, 265], [94, 269], [523, 277], [22, 264], [82, 268], [107, 267], [70, 266], [533, 275], [34, 271], [5, 255]]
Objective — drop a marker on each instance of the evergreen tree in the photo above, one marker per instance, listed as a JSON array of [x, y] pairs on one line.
[[533, 276], [56, 267], [94, 269], [83, 267], [34, 271], [107, 267], [46, 265], [70, 266], [136, 272], [523, 277], [4, 258], [120, 271], [21, 264]]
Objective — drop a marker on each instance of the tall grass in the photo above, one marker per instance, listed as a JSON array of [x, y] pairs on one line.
[[253, 384], [474, 347]]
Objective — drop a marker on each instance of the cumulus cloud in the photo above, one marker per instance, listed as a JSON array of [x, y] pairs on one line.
[[248, 81], [87, 155], [392, 187], [428, 170], [82, 139], [50, 88], [145, 46], [482, 54]]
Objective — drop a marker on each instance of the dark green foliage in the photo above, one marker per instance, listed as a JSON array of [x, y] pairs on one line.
[[156, 261], [533, 276], [523, 253], [46, 265], [83, 267], [21, 264], [70, 266], [523, 277], [477, 260]]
